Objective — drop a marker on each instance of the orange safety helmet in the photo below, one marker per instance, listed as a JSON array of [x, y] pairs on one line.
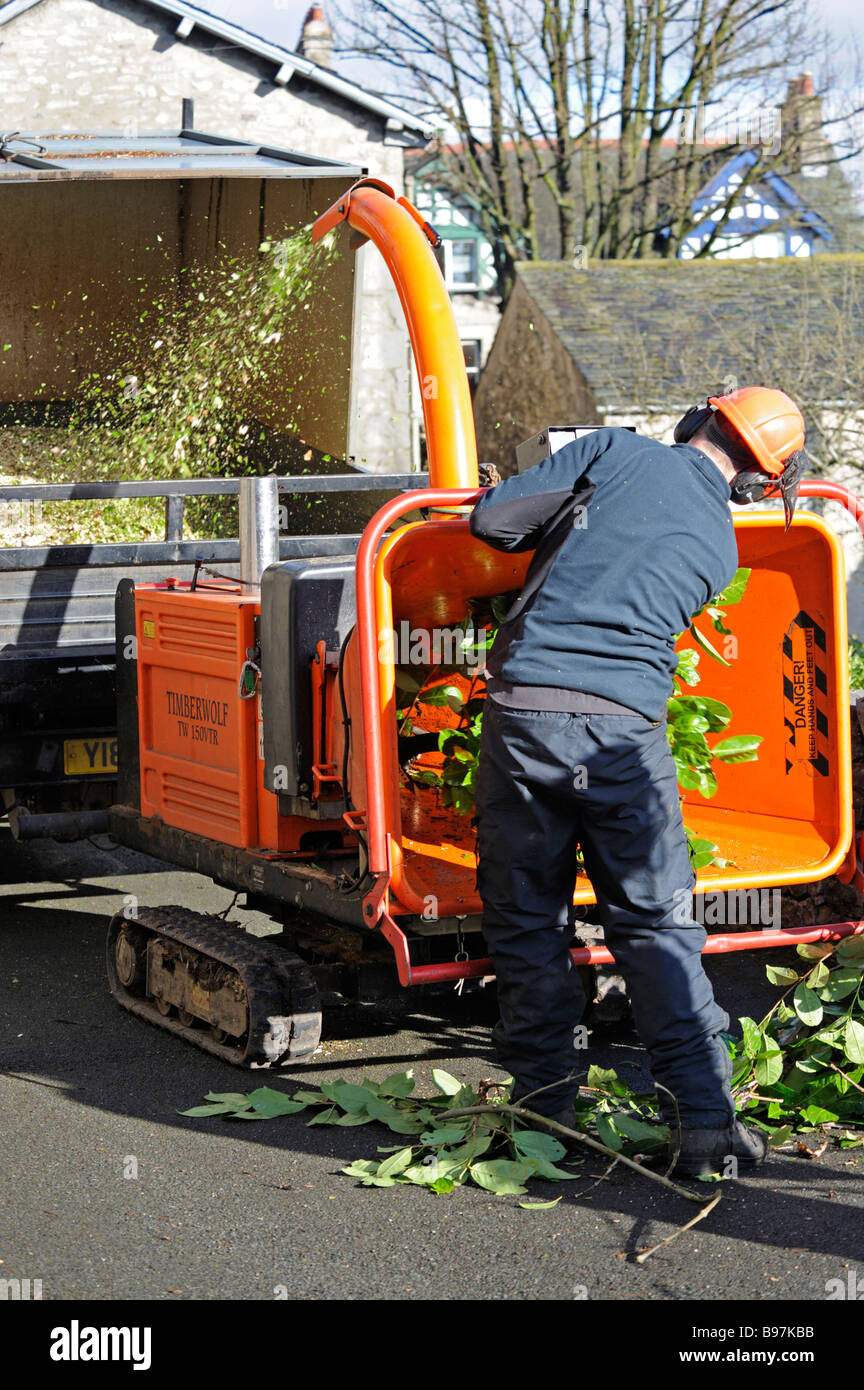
[[766, 425], [768, 421]]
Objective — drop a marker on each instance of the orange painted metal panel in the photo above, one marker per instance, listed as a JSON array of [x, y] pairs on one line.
[[198, 744], [783, 819]]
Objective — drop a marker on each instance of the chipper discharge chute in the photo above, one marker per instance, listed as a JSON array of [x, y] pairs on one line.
[[270, 755]]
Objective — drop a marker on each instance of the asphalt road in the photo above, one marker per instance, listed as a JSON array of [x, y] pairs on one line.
[[257, 1212]]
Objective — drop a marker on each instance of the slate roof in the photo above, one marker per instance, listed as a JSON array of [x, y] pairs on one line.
[[642, 332]]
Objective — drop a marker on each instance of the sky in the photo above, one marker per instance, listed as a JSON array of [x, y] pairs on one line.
[[278, 20], [282, 20]]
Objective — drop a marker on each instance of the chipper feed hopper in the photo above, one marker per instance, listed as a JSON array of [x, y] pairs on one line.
[[266, 751]]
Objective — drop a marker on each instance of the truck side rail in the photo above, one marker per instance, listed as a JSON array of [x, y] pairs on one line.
[[58, 600]]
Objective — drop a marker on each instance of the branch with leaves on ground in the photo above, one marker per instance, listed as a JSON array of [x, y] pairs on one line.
[[799, 1072]]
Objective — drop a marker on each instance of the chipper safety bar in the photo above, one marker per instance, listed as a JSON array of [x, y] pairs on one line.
[[268, 742], [783, 820]]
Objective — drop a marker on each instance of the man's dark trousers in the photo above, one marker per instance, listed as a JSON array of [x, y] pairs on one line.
[[548, 782]]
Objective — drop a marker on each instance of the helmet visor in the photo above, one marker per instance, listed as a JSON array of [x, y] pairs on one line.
[[789, 483]]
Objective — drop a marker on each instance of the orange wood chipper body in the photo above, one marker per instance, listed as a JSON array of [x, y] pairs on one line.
[[267, 736]]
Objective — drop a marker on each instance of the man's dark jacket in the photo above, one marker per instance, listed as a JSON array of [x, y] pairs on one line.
[[631, 537]]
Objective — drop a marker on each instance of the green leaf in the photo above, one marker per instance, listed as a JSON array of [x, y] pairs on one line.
[[808, 1006], [447, 1084], [473, 1148], [841, 983], [269, 1102], [449, 695], [781, 974], [716, 712], [406, 680], [769, 1062], [421, 1175], [814, 950], [734, 592], [353, 1099], [446, 1134], [309, 1097], [707, 646], [361, 1168], [853, 1041], [818, 975], [697, 779], [397, 1163], [442, 1185], [540, 1206], [238, 1100], [399, 1084], [741, 749], [817, 1115], [399, 1121], [780, 1136], [850, 949], [813, 1061], [531, 1143], [325, 1117], [605, 1079], [501, 1175], [633, 1128], [752, 1036], [608, 1134], [543, 1168], [350, 1119], [199, 1111]]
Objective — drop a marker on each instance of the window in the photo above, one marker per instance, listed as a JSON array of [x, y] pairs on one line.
[[463, 262], [471, 353]]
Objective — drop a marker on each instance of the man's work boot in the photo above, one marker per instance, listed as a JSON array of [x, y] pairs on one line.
[[708, 1153]]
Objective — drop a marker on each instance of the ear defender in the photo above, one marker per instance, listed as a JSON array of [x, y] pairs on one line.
[[692, 422]]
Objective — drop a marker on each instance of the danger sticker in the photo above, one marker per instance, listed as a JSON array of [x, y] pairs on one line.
[[805, 693]]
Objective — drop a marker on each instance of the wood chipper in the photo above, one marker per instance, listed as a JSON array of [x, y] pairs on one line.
[[259, 740]]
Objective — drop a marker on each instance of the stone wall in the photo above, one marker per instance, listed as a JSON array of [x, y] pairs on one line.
[[117, 66]]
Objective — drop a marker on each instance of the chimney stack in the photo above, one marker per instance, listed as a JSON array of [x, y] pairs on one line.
[[316, 41], [804, 141]]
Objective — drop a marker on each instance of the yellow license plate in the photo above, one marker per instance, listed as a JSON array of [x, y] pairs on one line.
[[86, 757]]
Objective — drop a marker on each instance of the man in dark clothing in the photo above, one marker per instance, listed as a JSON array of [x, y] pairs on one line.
[[630, 538]]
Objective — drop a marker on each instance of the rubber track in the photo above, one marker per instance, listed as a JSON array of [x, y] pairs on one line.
[[284, 1007]]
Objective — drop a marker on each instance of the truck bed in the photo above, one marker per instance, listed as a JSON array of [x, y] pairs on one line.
[[57, 624]]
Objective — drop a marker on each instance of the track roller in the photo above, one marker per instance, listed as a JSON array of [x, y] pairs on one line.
[[234, 995]]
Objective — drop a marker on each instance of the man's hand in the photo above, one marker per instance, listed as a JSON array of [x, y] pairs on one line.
[[489, 475]]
